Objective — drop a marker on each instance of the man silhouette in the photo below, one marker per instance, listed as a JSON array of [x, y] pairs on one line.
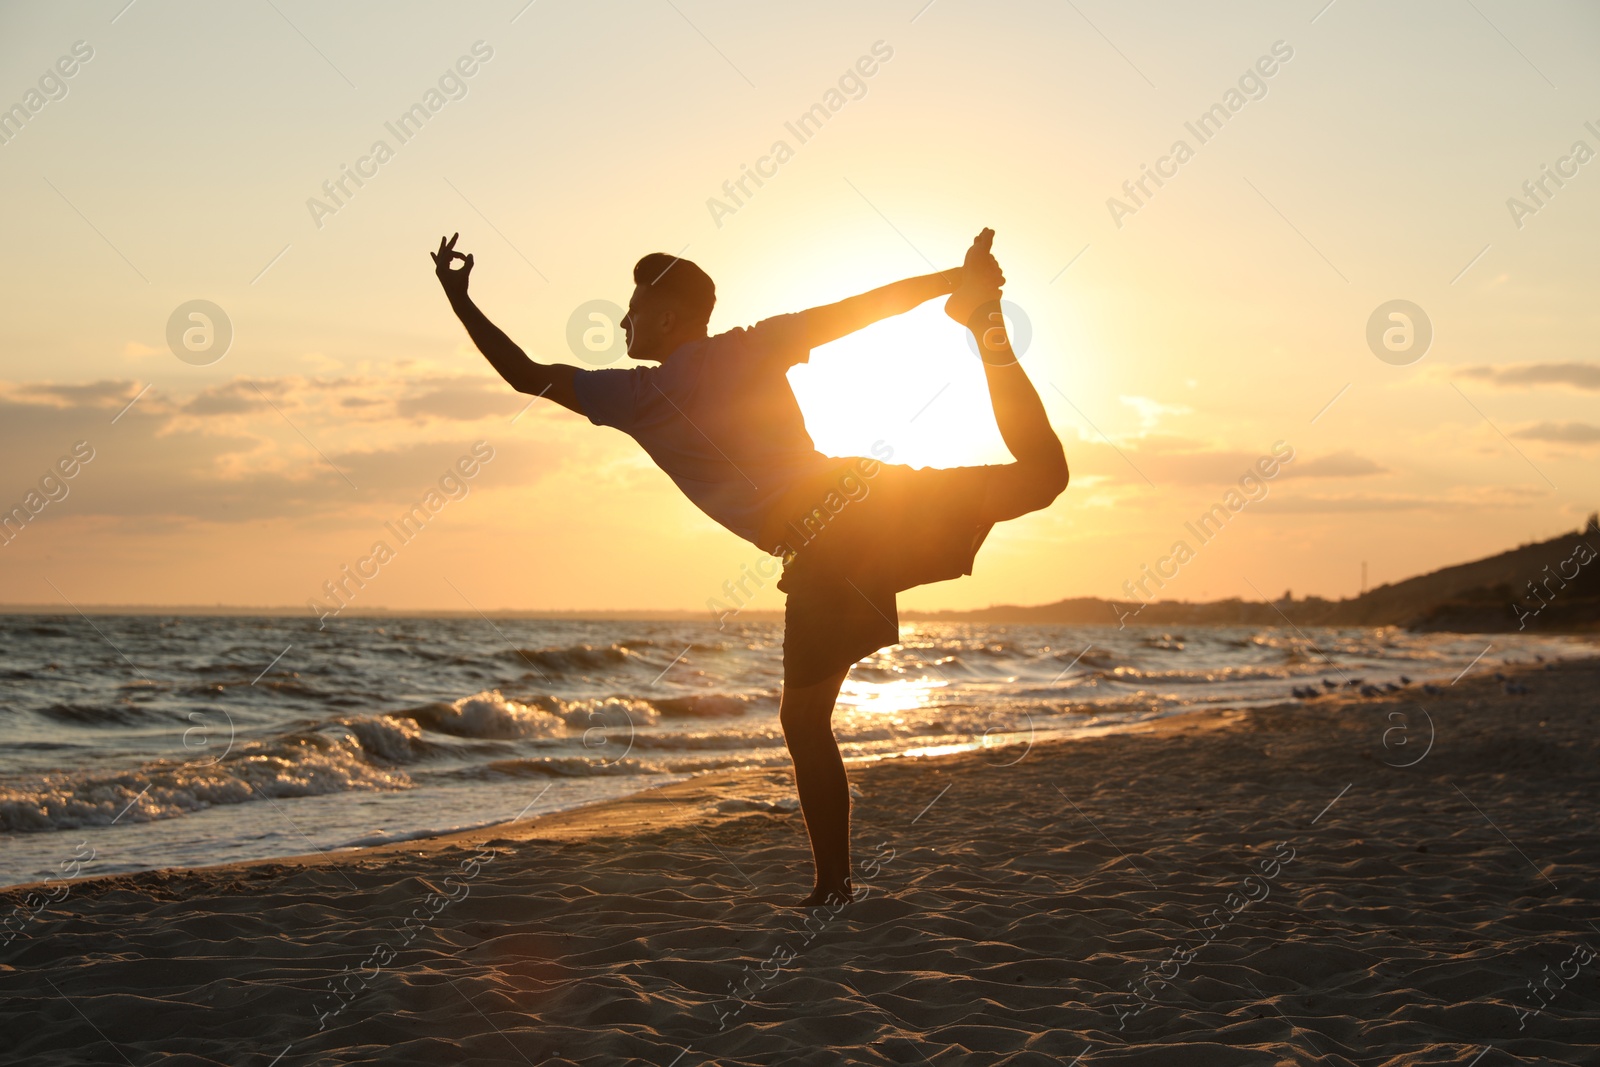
[[718, 416]]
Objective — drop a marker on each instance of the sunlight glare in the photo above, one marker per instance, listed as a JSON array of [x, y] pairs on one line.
[[887, 698]]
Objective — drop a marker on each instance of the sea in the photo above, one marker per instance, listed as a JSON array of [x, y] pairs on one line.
[[146, 741]]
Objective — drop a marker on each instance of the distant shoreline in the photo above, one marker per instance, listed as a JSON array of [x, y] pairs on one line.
[[247, 611], [1086, 612]]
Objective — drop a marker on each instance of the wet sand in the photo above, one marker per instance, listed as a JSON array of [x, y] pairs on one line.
[[1311, 883]]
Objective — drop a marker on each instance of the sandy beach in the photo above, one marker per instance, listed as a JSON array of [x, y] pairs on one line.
[[1398, 880]]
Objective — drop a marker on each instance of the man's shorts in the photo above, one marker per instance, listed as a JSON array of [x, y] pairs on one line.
[[857, 536]]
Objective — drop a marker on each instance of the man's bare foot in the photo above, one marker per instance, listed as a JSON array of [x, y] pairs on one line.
[[821, 897], [980, 284]]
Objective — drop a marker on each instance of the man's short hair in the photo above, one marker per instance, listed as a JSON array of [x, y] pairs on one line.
[[680, 281]]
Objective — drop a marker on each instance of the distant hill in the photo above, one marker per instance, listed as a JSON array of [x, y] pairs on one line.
[[1549, 586]]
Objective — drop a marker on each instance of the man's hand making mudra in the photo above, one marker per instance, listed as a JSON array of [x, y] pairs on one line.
[[453, 279]]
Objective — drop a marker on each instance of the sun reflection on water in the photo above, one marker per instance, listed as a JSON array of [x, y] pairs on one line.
[[888, 698]]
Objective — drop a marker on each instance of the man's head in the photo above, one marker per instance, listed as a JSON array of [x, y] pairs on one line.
[[671, 304]]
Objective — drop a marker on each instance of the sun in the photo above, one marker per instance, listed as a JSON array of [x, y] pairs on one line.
[[909, 384]]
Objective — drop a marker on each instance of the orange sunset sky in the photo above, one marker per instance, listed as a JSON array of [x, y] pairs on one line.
[[1427, 152]]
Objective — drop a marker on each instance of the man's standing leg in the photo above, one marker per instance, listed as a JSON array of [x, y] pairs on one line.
[[807, 717]]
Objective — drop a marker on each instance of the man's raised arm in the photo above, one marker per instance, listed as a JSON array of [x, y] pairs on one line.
[[551, 381], [832, 321]]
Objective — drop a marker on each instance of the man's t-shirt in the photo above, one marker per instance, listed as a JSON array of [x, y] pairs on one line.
[[718, 417]]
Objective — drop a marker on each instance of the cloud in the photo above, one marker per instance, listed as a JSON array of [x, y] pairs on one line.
[[1460, 499], [1566, 433], [1163, 461], [1336, 504], [1170, 461], [466, 401], [372, 400], [1324, 505], [1152, 443], [101, 394], [222, 454], [233, 398], [410, 468], [1337, 465], [1150, 411], [1584, 376]]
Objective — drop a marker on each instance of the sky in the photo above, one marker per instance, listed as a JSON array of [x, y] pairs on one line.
[[1356, 154]]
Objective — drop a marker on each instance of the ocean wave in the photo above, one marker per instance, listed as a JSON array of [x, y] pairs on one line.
[[633, 644], [488, 715], [575, 659], [45, 630], [285, 686], [707, 705], [949, 645], [491, 715], [614, 711], [915, 671], [393, 738], [558, 767], [624, 711], [702, 764], [758, 738], [1179, 676], [309, 763], [391, 837], [1164, 642], [100, 714]]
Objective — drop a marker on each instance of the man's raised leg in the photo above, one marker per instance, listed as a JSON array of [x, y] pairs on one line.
[[807, 717], [1040, 472]]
